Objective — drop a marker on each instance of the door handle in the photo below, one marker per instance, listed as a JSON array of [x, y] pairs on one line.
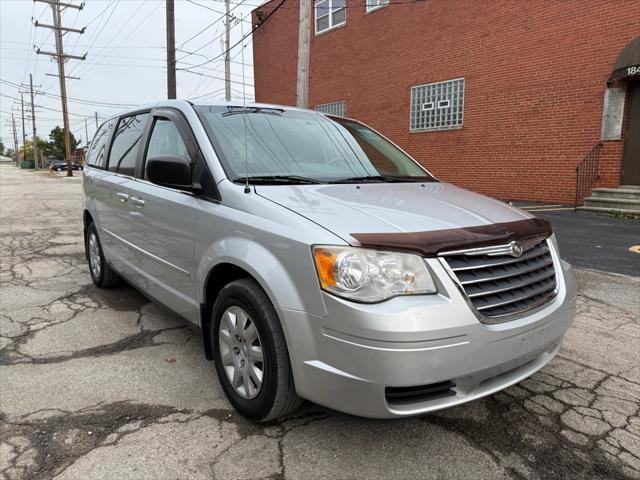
[[138, 201], [122, 196]]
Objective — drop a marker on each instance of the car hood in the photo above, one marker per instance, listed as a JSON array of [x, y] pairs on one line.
[[347, 209]]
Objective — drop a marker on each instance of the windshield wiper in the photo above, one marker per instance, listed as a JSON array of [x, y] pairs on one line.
[[276, 179], [242, 110], [365, 178], [383, 179]]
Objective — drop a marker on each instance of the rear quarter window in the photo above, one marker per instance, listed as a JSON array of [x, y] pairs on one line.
[[96, 155]]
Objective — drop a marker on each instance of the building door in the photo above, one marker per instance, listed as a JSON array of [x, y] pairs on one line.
[[631, 159]]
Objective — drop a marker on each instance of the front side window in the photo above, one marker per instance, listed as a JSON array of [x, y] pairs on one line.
[[165, 140], [271, 142], [371, 5], [329, 14], [124, 149], [95, 157]]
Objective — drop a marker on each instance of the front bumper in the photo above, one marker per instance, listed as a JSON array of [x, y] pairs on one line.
[[347, 359]]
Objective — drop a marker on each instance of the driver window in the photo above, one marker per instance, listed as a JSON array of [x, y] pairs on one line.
[[165, 139]]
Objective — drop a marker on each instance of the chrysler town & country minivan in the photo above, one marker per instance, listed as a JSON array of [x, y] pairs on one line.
[[320, 261]]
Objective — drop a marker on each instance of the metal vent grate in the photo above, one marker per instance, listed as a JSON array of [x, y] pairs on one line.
[[335, 108], [501, 285], [437, 106]]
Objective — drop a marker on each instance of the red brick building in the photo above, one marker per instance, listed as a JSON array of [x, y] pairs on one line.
[[501, 97]]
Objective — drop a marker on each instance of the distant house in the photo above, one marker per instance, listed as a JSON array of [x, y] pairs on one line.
[[505, 98]]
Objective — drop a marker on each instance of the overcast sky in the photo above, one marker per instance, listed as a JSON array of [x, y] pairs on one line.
[[125, 45]]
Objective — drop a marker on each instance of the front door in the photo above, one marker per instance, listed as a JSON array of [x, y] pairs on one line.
[[631, 159], [163, 223]]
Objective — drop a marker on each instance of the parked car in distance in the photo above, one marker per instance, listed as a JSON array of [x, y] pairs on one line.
[[61, 165], [320, 261]]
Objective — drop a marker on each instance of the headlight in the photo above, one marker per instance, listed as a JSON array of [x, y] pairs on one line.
[[370, 275]]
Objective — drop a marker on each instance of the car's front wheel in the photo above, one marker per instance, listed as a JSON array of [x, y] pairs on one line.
[[250, 353], [101, 273]]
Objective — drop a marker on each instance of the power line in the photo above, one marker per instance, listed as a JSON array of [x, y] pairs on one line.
[[135, 47], [363, 4], [211, 76], [77, 100], [264, 20], [213, 70], [211, 24]]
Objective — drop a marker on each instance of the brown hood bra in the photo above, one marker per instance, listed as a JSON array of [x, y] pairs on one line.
[[431, 243]]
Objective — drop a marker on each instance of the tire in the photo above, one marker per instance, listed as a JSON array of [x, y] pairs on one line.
[[276, 397], [101, 273]]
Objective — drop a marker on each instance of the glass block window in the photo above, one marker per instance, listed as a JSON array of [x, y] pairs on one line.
[[437, 106], [329, 14], [335, 108], [371, 5]]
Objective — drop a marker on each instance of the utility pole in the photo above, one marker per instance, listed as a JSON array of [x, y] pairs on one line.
[[15, 140], [56, 7], [96, 120], [304, 38], [227, 55], [86, 131], [24, 135], [171, 51], [33, 120]]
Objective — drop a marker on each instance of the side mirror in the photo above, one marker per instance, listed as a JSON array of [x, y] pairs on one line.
[[169, 171]]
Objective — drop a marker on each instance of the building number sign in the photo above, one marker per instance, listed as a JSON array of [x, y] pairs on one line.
[[635, 70]]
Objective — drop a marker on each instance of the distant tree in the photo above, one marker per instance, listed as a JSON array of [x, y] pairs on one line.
[[9, 152], [56, 143], [25, 150], [1, 148], [43, 147]]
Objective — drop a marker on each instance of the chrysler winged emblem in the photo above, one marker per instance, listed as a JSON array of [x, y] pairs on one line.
[[515, 249]]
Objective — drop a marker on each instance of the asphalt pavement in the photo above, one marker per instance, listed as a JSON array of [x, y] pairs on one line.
[[102, 384], [596, 241]]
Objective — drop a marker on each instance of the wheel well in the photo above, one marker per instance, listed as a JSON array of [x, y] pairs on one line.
[[219, 276], [86, 220]]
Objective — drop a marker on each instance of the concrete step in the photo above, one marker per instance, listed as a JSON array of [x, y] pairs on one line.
[[614, 203], [616, 193], [630, 187], [608, 210]]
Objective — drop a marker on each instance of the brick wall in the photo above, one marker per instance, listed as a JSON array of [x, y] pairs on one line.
[[535, 74]]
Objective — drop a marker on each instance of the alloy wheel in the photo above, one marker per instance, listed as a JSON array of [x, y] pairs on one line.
[[241, 352], [94, 255]]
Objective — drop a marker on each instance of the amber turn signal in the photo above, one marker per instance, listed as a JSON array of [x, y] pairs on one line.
[[325, 261]]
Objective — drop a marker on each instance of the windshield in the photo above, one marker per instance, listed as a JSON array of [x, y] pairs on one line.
[[302, 145]]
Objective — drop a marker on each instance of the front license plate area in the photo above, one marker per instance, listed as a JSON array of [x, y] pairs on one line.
[[533, 340]]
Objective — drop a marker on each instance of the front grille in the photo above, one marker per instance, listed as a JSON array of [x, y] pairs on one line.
[[420, 393], [502, 285]]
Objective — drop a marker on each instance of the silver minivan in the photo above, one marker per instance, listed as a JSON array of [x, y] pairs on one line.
[[320, 261]]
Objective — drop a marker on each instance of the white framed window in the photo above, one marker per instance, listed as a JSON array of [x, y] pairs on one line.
[[334, 108], [371, 5], [437, 106], [329, 14]]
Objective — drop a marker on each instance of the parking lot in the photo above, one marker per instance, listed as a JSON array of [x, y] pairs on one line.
[[101, 384]]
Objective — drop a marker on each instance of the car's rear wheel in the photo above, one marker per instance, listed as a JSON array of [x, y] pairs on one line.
[[101, 273], [250, 353]]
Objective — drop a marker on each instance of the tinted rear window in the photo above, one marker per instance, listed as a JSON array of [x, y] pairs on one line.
[[96, 157]]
